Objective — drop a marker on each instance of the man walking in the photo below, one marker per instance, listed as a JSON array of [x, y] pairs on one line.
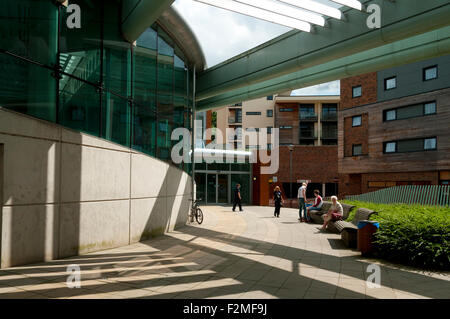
[[237, 198], [302, 202]]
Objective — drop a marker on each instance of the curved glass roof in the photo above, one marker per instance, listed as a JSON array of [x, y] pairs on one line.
[[223, 34]]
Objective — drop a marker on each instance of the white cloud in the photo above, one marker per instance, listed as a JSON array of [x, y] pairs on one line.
[[330, 88], [223, 34]]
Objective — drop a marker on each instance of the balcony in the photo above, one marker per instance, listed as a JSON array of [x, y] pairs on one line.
[[237, 137], [308, 116], [329, 135], [308, 134], [332, 117], [233, 120]]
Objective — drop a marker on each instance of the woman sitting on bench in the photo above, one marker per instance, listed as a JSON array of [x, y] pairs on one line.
[[334, 213], [318, 202]]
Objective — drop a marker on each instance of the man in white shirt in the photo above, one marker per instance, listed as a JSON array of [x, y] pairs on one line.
[[302, 202]]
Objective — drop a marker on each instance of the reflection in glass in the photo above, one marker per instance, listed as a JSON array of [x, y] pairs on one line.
[[80, 48], [116, 119], [28, 28], [79, 106], [27, 88]]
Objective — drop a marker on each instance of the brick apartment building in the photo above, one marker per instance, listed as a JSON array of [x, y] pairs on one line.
[[308, 147], [394, 127]]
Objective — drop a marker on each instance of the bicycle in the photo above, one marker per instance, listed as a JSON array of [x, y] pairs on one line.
[[196, 212]]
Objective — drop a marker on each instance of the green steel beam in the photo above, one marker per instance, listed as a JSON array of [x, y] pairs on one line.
[[138, 15], [432, 44], [295, 50]]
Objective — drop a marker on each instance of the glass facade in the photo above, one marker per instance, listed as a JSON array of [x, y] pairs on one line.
[[90, 79]]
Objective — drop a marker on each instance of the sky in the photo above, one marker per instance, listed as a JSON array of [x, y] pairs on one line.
[[223, 34]]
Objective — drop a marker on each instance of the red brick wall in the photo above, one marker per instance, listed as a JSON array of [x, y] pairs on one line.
[[208, 123], [356, 135], [316, 163], [369, 90], [349, 184]]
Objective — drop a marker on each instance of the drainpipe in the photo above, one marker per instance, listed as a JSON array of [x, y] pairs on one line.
[[193, 138]]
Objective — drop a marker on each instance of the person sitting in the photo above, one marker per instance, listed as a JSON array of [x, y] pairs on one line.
[[318, 202], [334, 213]]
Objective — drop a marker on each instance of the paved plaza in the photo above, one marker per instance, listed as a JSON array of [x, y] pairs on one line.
[[231, 255]]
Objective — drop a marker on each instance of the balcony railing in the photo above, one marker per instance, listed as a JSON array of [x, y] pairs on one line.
[[232, 120], [330, 135], [309, 116], [329, 117], [235, 137], [308, 134]]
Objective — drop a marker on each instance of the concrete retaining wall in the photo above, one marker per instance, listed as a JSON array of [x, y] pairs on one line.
[[65, 193]]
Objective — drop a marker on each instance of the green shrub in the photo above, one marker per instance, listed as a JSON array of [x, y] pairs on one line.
[[411, 234]]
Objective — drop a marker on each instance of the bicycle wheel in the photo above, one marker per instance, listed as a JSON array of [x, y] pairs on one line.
[[199, 215]]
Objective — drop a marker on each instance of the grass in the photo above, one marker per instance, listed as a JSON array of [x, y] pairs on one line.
[[411, 234]]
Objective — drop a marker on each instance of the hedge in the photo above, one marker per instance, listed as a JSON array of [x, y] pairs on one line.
[[411, 234]]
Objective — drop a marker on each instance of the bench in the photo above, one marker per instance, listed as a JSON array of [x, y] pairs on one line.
[[349, 230], [317, 216]]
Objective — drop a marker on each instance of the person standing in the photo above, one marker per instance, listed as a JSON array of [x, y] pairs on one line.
[[278, 200], [237, 198], [302, 202]]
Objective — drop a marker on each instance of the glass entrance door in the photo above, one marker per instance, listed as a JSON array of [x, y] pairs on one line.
[[211, 188], [222, 189]]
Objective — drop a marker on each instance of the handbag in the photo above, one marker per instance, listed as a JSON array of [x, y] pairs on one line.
[[336, 216]]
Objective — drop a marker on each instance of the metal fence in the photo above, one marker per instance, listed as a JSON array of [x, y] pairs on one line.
[[434, 195]]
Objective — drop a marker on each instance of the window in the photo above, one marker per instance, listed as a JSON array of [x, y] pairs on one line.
[[356, 120], [411, 145], [253, 113], [285, 127], [430, 73], [390, 147], [307, 112], [269, 130], [270, 98], [430, 108], [410, 111], [357, 91], [390, 83], [429, 144], [269, 113], [269, 146], [391, 115], [357, 150], [329, 112], [252, 129], [286, 110]]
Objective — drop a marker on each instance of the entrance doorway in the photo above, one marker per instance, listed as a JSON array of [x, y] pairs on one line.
[[219, 187], [222, 189], [215, 183]]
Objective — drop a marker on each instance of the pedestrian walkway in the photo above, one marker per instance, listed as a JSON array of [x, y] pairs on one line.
[[231, 255]]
